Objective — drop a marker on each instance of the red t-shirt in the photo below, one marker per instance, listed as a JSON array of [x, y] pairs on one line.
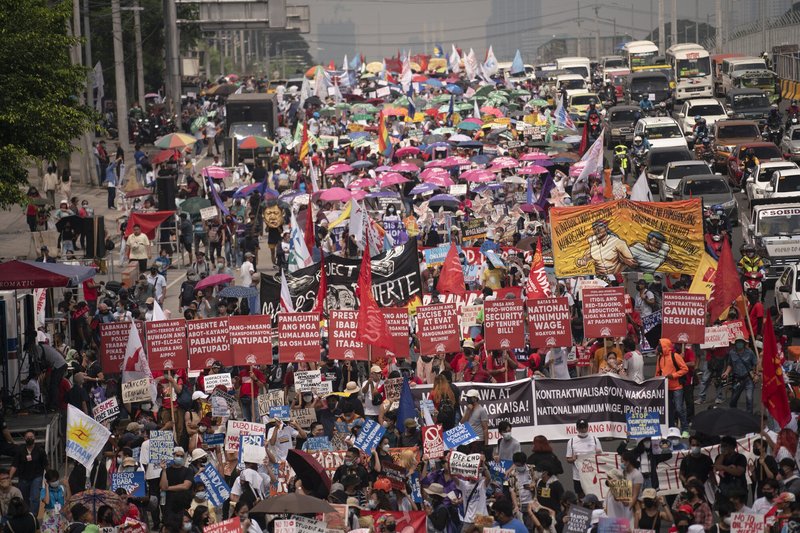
[[165, 387], [246, 389], [496, 363], [689, 357]]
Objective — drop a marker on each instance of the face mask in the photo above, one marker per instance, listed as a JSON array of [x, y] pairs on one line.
[[119, 460], [385, 424], [769, 495], [583, 434], [726, 520], [201, 429], [683, 529], [201, 495], [385, 447], [30, 442], [506, 436], [54, 485], [307, 398], [521, 469], [179, 461], [757, 452], [372, 504], [348, 462], [695, 450], [187, 526]]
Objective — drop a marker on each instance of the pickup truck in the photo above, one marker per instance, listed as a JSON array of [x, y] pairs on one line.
[[772, 225]]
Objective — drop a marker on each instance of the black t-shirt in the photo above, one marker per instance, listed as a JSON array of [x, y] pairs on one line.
[[26, 523], [550, 495], [699, 467], [334, 375], [93, 371], [176, 476], [30, 466], [76, 396], [728, 482]]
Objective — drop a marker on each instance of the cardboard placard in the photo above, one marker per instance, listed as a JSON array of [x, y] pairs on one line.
[[459, 435], [432, 441], [207, 213], [136, 391], [549, 323], [212, 381], [222, 400], [747, 523], [251, 449], [113, 341], [237, 428], [270, 398], [369, 437], [469, 315], [604, 312], [107, 410], [304, 417], [504, 324], [251, 339], [643, 423], [343, 337], [316, 444], [465, 466], [715, 337], [578, 519], [161, 445], [459, 189], [307, 380], [231, 525], [473, 229], [132, 482], [622, 489], [166, 344], [438, 329], [280, 412], [304, 524], [683, 317], [208, 341], [392, 388], [218, 490], [214, 439], [613, 525], [299, 337]]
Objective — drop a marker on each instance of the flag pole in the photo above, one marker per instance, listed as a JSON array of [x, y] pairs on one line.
[[172, 410], [252, 394]]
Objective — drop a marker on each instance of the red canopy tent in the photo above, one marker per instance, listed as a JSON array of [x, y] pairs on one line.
[[149, 222], [33, 275]]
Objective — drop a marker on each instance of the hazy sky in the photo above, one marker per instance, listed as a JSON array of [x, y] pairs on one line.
[[381, 27]]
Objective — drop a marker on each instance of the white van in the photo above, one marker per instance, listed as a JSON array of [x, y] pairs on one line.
[[576, 65]]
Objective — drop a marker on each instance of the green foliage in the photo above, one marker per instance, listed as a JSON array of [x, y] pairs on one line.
[[40, 114]]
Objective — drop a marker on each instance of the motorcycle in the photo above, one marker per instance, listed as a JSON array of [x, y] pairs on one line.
[[639, 162], [753, 281], [714, 244], [772, 134], [792, 120], [622, 160], [594, 127], [661, 109]]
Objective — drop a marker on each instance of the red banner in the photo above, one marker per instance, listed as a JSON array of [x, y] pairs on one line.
[[251, 339], [113, 341], [406, 521], [298, 337], [438, 329], [343, 340], [549, 323], [683, 317], [166, 344], [504, 324], [397, 321], [231, 525], [604, 312], [209, 341]]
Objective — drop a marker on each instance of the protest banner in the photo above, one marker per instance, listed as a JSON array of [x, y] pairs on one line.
[[251, 339], [251, 449], [231, 525], [304, 417], [437, 329], [214, 439], [212, 381], [621, 235], [299, 339], [218, 490], [343, 336], [613, 525], [113, 341], [237, 428], [602, 400], [473, 229], [549, 323], [604, 312], [435, 256], [161, 446], [498, 469], [208, 341], [306, 380], [683, 317], [338, 519], [166, 344], [458, 436], [322, 389], [503, 324], [369, 437], [316, 444], [405, 520], [396, 230], [107, 410], [131, 482], [397, 322], [621, 489], [736, 328], [136, 391], [458, 189], [465, 466], [280, 412], [578, 519], [715, 337], [284, 526], [432, 441], [747, 523], [642, 424], [392, 388]]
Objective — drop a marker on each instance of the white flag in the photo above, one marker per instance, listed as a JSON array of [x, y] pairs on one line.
[[86, 437], [358, 217], [135, 364], [640, 192], [158, 313], [476, 111], [299, 256], [471, 65], [405, 75], [453, 62], [490, 66], [286, 296], [593, 159]]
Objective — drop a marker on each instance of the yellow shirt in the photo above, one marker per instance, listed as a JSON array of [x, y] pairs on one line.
[[492, 278], [138, 245]]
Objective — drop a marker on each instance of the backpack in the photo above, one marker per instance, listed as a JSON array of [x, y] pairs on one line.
[[447, 414], [185, 398], [187, 292]]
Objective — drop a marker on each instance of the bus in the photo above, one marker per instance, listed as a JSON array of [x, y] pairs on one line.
[[576, 65], [690, 64], [639, 54]]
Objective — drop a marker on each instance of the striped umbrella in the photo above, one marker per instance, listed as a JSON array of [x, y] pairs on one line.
[[254, 142], [175, 140]]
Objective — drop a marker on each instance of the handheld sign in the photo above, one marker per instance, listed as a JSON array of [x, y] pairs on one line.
[[459, 435], [218, 491], [132, 482], [369, 437], [643, 424]]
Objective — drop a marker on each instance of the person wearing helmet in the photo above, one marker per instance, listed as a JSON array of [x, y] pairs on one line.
[[645, 104], [640, 145], [700, 129], [749, 163], [750, 263], [610, 93], [592, 110], [774, 118], [313, 124]]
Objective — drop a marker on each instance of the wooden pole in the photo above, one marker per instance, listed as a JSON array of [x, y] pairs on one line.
[[172, 410], [252, 394]]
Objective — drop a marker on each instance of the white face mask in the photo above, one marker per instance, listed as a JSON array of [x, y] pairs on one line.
[[583, 434], [507, 436]]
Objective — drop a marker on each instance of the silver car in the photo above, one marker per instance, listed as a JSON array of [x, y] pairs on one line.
[[790, 145]]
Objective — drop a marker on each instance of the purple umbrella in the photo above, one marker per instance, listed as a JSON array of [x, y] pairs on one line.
[[423, 188]]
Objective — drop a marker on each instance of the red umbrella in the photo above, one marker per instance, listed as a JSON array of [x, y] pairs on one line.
[[407, 150], [164, 155], [215, 172], [310, 472], [212, 280], [489, 110]]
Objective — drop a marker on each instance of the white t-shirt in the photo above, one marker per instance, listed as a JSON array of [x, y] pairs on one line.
[[558, 356], [246, 274], [582, 446], [371, 409], [283, 443], [476, 505], [633, 363], [256, 480]]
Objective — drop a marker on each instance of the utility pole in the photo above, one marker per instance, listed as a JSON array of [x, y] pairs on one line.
[[597, 32], [718, 20], [137, 36], [578, 40], [697, 21], [119, 75], [267, 65], [173, 56], [661, 29], [88, 51], [244, 56], [77, 59], [764, 25], [674, 23]]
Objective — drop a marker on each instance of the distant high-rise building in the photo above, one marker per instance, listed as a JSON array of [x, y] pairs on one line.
[[332, 33], [513, 25]]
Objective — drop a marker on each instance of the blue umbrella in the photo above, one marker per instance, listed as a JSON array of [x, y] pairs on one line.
[[452, 88], [237, 291], [561, 160], [423, 188], [443, 198], [358, 165], [438, 144], [487, 186], [433, 82], [481, 159]]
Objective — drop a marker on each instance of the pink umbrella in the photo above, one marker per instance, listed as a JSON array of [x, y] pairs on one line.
[[359, 195], [338, 168], [392, 178], [406, 151], [505, 162], [335, 194], [489, 110], [455, 161], [533, 169], [478, 176], [405, 167], [212, 280], [533, 156], [383, 168], [440, 180], [474, 120], [436, 163], [433, 171], [361, 183], [216, 172]]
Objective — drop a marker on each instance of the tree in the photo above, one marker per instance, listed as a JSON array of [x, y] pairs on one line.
[[40, 113]]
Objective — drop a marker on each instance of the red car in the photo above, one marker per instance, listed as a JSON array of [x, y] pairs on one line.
[[765, 151]]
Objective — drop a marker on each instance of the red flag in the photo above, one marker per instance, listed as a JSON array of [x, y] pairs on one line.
[[727, 286], [331, 66], [304, 148], [538, 286], [372, 328], [773, 388], [584, 140], [322, 291], [309, 231], [451, 278]]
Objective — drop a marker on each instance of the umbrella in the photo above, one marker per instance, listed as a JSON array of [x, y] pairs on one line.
[[244, 192], [478, 176], [405, 167], [335, 194], [374, 67], [433, 171], [338, 168], [444, 200], [193, 206], [292, 503], [310, 472], [77, 223], [468, 126], [237, 291], [254, 142], [392, 178], [383, 194], [455, 161], [726, 421], [470, 144], [538, 102], [515, 179], [433, 82], [175, 140], [406, 151], [361, 183], [215, 172], [505, 162], [443, 131], [138, 193], [358, 165], [452, 88], [312, 101], [212, 280], [459, 137], [481, 159], [93, 499], [441, 180], [484, 90], [489, 110], [422, 188], [533, 169], [164, 155], [31, 274], [534, 156]]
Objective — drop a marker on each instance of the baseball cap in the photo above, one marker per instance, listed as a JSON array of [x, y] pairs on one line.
[[649, 494], [582, 422], [472, 393], [376, 369], [199, 395]]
